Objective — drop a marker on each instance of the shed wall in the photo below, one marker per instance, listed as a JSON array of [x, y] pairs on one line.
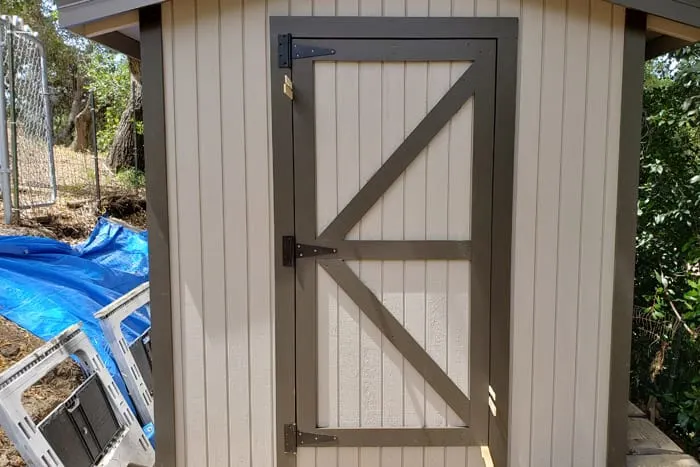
[[220, 194]]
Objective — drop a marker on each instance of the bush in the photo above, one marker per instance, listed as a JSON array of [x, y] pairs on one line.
[[665, 348]]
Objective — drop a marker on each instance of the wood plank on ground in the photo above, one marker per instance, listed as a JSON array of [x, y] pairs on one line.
[[662, 460], [634, 411], [644, 438]]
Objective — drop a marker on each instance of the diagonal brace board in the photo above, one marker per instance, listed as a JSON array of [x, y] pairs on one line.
[[406, 153], [398, 336]]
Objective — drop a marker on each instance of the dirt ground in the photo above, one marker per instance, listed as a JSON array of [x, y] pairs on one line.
[[70, 220]]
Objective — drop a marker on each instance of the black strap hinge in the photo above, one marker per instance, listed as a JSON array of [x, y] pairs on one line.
[[287, 50], [294, 439], [291, 250]]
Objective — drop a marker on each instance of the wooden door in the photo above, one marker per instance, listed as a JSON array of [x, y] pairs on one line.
[[393, 131]]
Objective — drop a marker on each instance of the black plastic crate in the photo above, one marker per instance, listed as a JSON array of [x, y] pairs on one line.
[[141, 351], [81, 429]]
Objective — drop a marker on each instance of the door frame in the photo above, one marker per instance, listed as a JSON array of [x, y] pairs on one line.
[[504, 31]]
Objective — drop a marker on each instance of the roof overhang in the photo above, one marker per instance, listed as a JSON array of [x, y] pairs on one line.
[[682, 11], [119, 32], [77, 12], [115, 23], [664, 35]]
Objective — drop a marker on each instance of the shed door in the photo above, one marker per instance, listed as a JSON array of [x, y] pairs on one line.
[[393, 162]]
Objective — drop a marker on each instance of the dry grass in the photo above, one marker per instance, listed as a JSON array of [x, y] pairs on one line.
[[75, 212]]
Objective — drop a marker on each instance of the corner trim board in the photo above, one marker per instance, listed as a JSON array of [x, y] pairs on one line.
[[159, 232], [625, 233]]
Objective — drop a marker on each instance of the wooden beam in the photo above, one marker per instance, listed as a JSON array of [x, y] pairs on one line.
[[663, 45], [673, 29], [107, 25], [121, 43]]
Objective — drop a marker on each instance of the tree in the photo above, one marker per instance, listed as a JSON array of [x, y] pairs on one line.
[[667, 287], [65, 53], [127, 149]]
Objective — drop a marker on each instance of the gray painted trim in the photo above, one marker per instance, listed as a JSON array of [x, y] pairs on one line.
[[400, 338], [386, 437], [365, 27], [73, 13], [352, 50], [663, 45], [502, 232], [121, 43], [158, 232], [305, 231], [399, 250], [285, 281], [625, 233], [671, 9]]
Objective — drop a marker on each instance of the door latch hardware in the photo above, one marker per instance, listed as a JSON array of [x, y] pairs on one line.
[[288, 88], [291, 250], [294, 439]]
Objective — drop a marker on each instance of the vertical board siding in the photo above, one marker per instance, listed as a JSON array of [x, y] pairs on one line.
[[219, 163], [236, 234], [212, 230], [545, 312]]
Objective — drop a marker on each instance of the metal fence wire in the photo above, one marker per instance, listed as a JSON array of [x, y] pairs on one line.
[[28, 116]]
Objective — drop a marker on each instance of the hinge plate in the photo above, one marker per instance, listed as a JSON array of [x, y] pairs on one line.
[[308, 51], [308, 251], [294, 439], [284, 50], [288, 51], [291, 250]]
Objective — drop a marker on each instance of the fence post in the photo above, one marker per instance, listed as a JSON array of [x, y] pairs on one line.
[[95, 152], [13, 117], [4, 149]]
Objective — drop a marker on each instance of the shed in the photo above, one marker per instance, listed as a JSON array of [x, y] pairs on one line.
[[391, 232]]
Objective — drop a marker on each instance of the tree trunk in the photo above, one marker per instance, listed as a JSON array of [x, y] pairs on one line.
[[127, 148], [65, 135], [81, 143]]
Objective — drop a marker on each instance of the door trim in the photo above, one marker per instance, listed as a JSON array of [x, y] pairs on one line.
[[504, 31]]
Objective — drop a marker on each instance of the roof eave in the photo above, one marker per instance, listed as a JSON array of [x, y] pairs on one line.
[[72, 13]]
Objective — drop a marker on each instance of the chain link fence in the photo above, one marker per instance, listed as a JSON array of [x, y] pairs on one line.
[[29, 142]]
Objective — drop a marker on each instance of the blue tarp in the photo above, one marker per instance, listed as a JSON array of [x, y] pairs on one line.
[[47, 286]]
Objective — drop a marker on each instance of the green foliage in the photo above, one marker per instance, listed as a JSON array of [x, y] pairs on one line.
[[666, 362], [76, 62], [65, 52], [110, 81], [131, 178]]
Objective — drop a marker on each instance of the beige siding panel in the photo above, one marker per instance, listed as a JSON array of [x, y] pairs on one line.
[[236, 234], [547, 217], [219, 166], [211, 192], [573, 136], [189, 230], [255, 60], [592, 230], [522, 386], [606, 295]]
